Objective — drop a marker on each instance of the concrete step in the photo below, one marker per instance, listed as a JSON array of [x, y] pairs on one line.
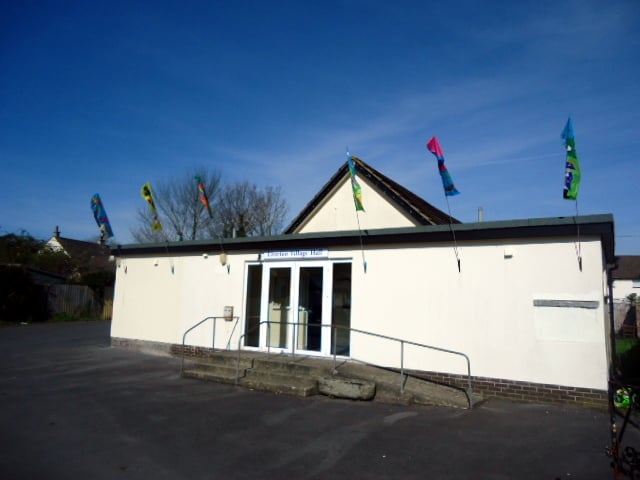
[[255, 379], [299, 375]]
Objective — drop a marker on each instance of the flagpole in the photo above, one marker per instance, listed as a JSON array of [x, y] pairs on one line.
[[453, 233], [578, 244], [364, 262], [572, 178], [449, 188]]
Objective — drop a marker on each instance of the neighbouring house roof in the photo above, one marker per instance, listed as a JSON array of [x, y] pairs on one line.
[[416, 208], [41, 277], [94, 256], [628, 268], [591, 226]]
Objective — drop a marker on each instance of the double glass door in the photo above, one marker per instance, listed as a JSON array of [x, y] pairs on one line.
[[292, 305]]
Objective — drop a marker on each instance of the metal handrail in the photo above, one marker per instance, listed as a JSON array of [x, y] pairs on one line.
[[334, 328], [213, 339]]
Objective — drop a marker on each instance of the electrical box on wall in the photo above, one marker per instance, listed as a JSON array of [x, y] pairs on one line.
[[228, 313]]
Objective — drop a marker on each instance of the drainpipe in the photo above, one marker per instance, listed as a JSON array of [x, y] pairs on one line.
[[612, 331]]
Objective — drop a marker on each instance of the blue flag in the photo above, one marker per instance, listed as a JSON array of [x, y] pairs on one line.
[[100, 216]]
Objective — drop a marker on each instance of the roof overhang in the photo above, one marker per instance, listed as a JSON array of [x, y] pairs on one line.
[[568, 228]]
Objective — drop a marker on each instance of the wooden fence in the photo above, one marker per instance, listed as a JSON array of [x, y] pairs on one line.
[[77, 301]]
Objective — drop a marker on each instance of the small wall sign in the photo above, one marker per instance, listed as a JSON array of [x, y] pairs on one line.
[[296, 254]]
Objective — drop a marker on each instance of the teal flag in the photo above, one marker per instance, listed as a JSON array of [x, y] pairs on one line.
[[572, 166], [357, 189]]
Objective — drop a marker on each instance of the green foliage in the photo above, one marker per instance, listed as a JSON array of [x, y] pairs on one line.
[[25, 250], [623, 345], [66, 317], [19, 249], [54, 261]]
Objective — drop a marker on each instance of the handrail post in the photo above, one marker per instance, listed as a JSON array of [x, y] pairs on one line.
[[401, 366], [238, 362], [335, 345], [295, 339], [470, 388], [268, 337], [213, 339]]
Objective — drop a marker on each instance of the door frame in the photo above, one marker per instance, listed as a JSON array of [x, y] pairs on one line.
[[294, 304]]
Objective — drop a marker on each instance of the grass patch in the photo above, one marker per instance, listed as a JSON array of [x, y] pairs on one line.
[[65, 318], [623, 345]]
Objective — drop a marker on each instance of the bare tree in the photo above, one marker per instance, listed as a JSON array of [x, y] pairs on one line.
[[270, 211], [244, 210], [182, 214]]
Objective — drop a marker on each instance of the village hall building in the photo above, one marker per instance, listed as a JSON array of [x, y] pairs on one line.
[[527, 303]]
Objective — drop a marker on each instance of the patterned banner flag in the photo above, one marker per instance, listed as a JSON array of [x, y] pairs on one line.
[[100, 214], [357, 189], [572, 166], [447, 182], [203, 196], [147, 194]]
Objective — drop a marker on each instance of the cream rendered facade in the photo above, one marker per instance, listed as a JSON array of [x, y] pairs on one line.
[[520, 309]]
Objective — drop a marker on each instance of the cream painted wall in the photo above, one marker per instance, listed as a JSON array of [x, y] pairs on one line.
[[623, 288], [485, 311], [155, 304], [338, 213]]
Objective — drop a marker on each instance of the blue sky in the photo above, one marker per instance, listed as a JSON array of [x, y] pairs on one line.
[[101, 97]]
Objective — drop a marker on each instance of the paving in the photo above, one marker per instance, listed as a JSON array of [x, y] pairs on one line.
[[73, 407]]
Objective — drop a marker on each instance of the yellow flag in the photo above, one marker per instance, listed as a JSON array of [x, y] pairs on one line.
[[147, 194]]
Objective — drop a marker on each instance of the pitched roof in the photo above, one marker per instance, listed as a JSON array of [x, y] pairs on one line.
[[628, 268], [422, 212], [93, 255]]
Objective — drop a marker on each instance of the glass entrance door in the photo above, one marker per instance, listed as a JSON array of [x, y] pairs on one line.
[[297, 303], [310, 300], [279, 310]]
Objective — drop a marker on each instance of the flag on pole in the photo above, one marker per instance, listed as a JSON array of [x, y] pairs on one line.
[[203, 196], [447, 182], [100, 214], [572, 166], [357, 189], [147, 194]]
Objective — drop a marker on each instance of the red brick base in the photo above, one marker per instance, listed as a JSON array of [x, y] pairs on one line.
[[524, 391]]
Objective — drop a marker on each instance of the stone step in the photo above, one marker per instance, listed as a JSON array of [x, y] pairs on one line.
[[255, 379], [281, 384], [304, 376]]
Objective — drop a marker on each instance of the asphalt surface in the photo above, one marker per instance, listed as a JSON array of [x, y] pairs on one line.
[[72, 407]]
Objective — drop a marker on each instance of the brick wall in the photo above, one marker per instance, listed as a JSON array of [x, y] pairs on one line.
[[524, 391], [190, 351]]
